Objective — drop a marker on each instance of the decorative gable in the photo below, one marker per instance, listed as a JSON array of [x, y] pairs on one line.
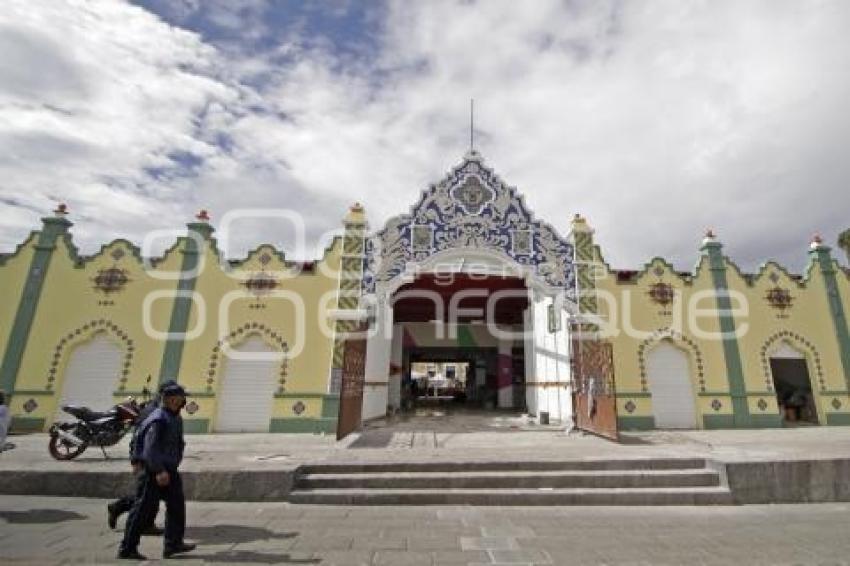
[[470, 208]]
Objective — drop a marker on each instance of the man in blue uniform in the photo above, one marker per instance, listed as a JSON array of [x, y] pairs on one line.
[[161, 451], [125, 503]]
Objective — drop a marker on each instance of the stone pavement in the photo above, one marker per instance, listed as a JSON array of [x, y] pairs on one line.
[[38, 530]]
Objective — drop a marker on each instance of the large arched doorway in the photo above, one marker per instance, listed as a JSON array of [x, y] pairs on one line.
[[468, 239], [461, 342], [669, 377], [92, 375], [246, 390]]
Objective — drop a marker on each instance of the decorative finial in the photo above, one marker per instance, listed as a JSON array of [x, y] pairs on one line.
[[710, 237], [356, 207], [709, 233], [203, 216], [817, 240], [61, 210]]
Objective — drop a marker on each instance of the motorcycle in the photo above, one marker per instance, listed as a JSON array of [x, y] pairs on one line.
[[92, 428]]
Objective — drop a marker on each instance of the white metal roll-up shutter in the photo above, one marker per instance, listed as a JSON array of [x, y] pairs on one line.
[[670, 384], [91, 376], [246, 392]]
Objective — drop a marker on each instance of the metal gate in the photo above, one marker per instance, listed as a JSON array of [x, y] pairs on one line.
[[595, 399], [353, 378]]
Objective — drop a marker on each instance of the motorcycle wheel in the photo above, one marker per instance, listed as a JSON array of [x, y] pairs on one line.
[[63, 450]]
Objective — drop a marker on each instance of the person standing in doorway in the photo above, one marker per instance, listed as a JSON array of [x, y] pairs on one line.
[[161, 452], [4, 420]]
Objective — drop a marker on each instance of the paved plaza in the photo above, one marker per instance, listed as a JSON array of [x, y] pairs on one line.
[[35, 530]]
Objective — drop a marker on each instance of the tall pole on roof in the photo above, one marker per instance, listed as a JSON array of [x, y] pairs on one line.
[[471, 124]]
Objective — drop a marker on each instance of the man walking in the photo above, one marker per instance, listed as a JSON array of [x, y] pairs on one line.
[[124, 504], [161, 438]]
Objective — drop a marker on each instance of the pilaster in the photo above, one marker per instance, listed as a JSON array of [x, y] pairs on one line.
[[712, 248], [53, 227]]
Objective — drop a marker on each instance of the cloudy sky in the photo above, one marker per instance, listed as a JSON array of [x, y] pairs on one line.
[[653, 119]]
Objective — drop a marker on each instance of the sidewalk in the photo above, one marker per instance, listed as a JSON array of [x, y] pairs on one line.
[[281, 451]]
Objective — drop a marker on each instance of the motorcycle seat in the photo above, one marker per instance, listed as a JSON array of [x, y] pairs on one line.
[[84, 413]]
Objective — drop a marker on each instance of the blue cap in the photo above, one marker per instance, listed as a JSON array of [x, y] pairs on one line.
[[172, 389]]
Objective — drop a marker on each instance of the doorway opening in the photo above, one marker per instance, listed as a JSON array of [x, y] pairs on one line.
[[793, 386], [461, 379], [459, 344]]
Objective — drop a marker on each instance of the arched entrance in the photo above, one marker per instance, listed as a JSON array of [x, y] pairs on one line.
[[92, 375], [669, 377], [246, 389], [793, 385], [461, 342], [469, 278]]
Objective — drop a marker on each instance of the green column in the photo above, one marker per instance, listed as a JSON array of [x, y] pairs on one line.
[[844, 242], [52, 229], [731, 352], [182, 307], [821, 254]]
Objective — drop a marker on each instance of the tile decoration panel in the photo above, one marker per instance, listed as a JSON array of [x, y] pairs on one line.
[[470, 207]]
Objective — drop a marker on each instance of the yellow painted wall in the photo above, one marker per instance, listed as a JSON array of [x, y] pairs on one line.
[[13, 274], [70, 311], [808, 327], [636, 320], [231, 308]]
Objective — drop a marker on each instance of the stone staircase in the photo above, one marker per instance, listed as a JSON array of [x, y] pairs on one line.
[[659, 481]]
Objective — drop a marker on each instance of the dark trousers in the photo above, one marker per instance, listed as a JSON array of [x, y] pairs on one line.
[[125, 503], [146, 506]]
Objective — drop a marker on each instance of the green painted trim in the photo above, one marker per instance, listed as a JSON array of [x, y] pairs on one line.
[[765, 421], [302, 425], [712, 422], [634, 395], [196, 426], [465, 339], [836, 308], [181, 309], [635, 423], [731, 351], [52, 228], [306, 395], [27, 424], [838, 419], [330, 407], [728, 394], [201, 394], [32, 392], [829, 393]]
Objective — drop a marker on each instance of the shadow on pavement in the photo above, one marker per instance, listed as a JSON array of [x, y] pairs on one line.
[[233, 533], [231, 556], [373, 439], [40, 516]]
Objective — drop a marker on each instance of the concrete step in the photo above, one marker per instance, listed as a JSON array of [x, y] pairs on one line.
[[558, 496], [510, 479], [532, 465]]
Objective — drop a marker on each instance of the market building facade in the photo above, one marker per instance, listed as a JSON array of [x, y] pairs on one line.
[[529, 321]]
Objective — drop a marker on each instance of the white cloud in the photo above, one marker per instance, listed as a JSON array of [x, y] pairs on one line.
[[654, 119]]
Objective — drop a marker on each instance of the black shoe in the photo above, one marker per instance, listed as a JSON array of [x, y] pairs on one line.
[[170, 551], [112, 516], [152, 531], [130, 555]]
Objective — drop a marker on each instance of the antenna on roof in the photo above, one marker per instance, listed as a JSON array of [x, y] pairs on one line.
[[471, 124]]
